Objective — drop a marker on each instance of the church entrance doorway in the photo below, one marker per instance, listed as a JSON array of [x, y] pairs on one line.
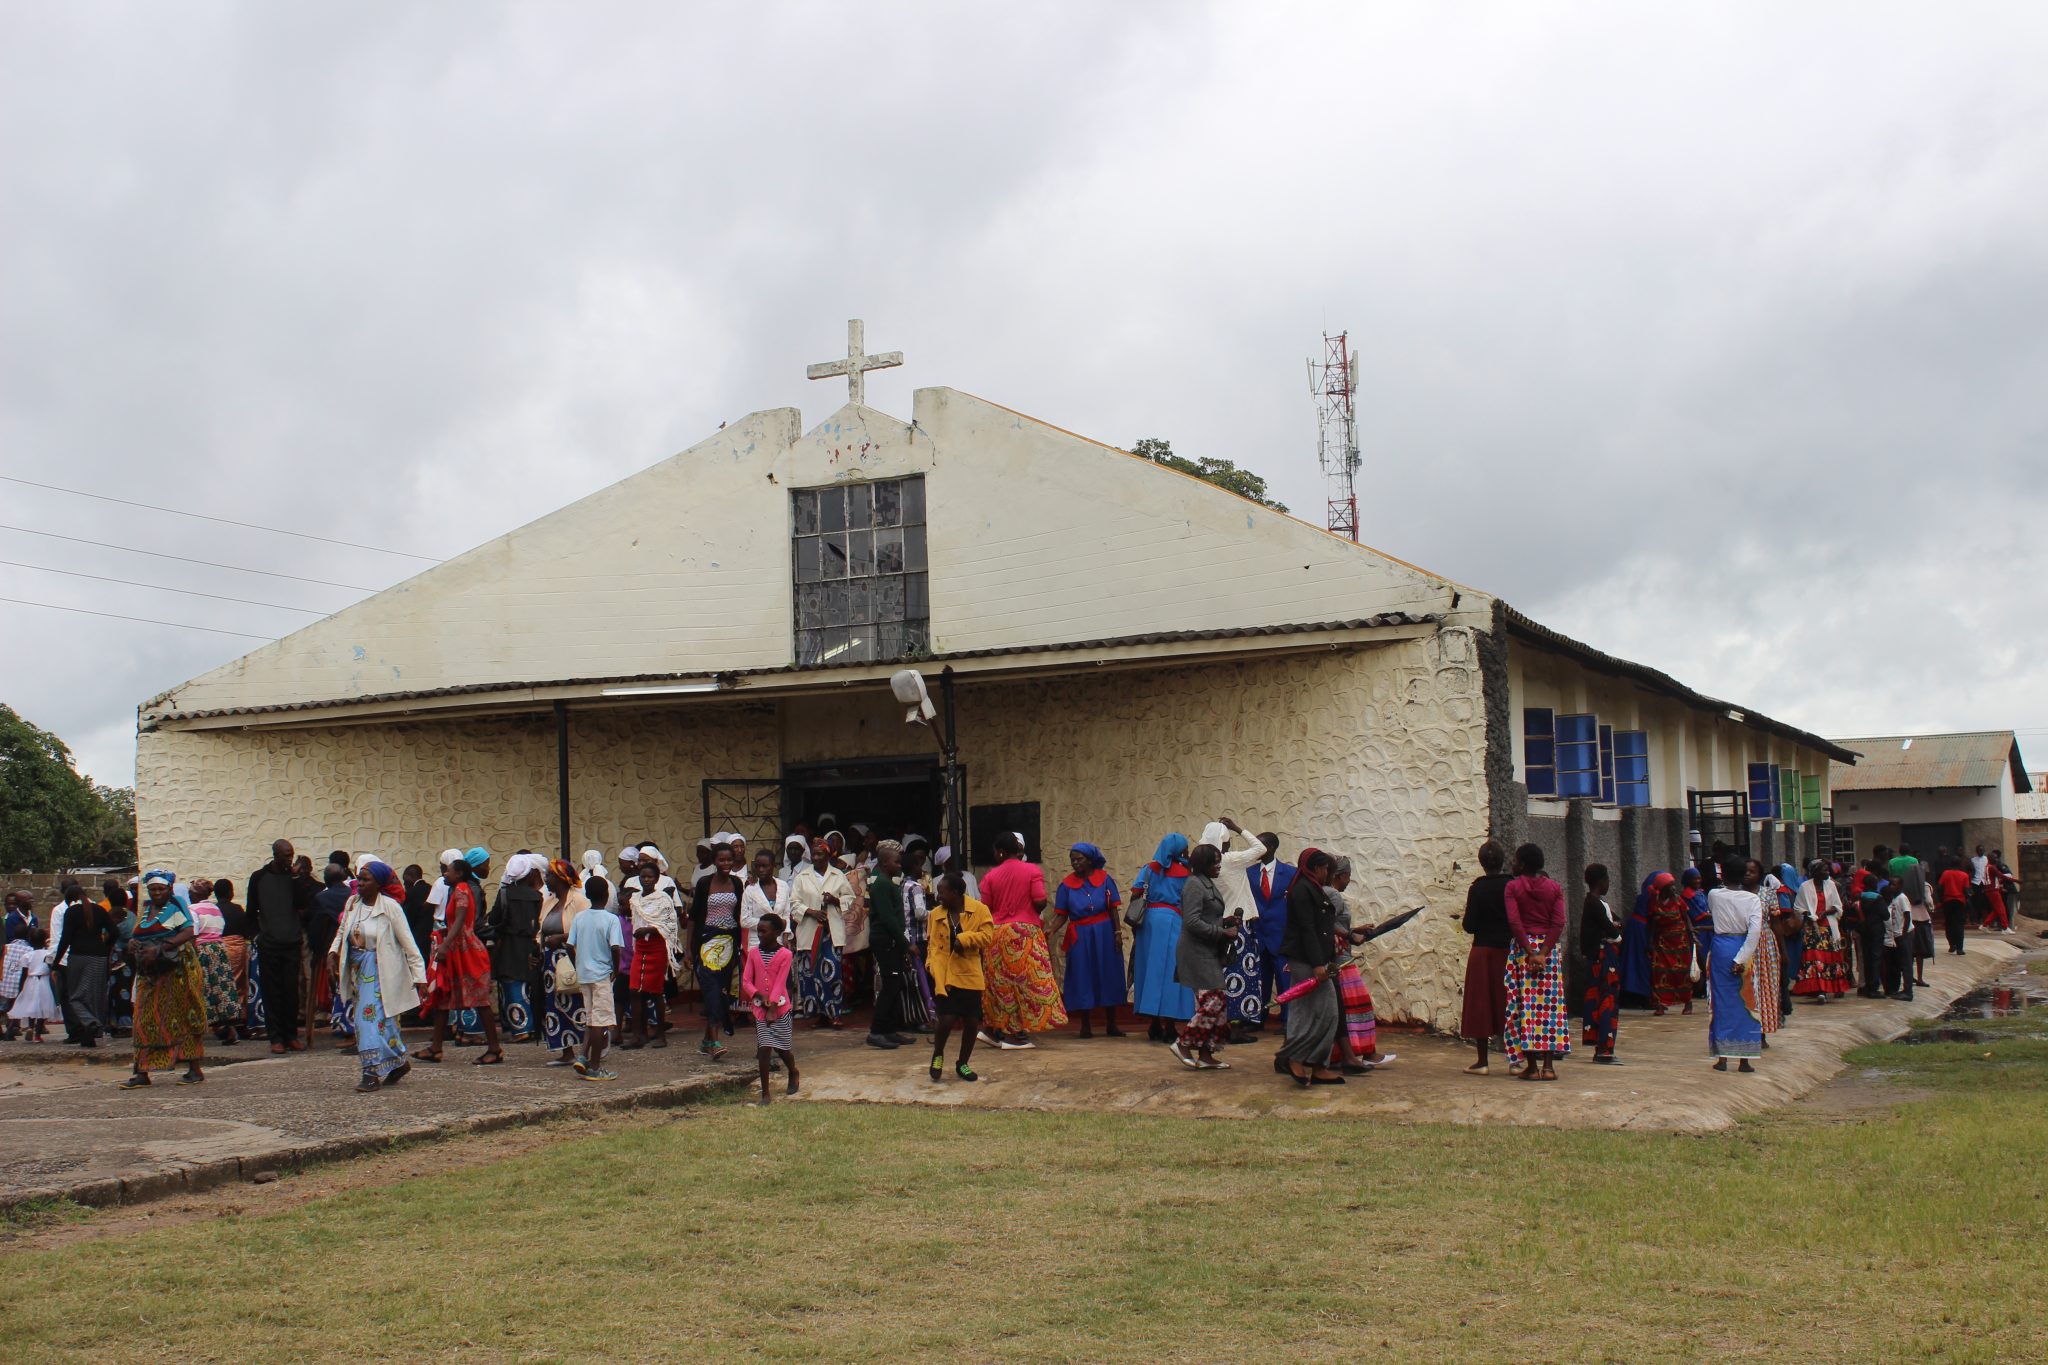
[[892, 796]]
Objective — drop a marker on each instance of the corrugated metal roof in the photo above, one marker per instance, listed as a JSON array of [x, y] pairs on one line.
[[1980, 758], [1665, 683], [1390, 618]]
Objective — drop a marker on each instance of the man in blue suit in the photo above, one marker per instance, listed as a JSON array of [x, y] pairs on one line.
[[1270, 880]]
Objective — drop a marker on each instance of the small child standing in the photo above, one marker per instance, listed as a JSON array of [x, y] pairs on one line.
[[36, 1005], [764, 983], [595, 943]]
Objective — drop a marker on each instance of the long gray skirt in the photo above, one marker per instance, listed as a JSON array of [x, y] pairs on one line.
[[1313, 1020], [86, 981]]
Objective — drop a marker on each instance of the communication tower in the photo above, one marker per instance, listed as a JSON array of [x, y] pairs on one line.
[[1334, 382]]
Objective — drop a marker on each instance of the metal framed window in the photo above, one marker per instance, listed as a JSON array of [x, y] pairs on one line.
[[1578, 757], [1809, 799], [1790, 805], [1632, 767], [1539, 751], [1763, 791], [1607, 765], [862, 581]]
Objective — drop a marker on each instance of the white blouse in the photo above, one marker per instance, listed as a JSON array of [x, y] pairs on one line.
[[1736, 911]]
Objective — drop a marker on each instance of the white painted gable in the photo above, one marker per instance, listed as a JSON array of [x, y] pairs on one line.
[[1036, 536]]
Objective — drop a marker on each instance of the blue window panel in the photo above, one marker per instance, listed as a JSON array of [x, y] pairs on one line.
[[1586, 784], [1539, 753], [1542, 782], [1632, 743], [1634, 793], [1579, 757], [1536, 721], [1763, 788], [1631, 768], [1578, 729]]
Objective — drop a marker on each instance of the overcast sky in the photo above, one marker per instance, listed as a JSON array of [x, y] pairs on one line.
[[1715, 336]]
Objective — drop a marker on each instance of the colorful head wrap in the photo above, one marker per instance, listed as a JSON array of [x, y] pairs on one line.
[[159, 875], [378, 872], [478, 858], [1091, 853], [564, 873]]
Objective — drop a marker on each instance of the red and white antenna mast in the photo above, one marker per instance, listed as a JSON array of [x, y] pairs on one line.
[[1334, 382]]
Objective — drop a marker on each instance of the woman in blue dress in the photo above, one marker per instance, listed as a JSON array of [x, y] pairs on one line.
[[1156, 991], [1089, 899]]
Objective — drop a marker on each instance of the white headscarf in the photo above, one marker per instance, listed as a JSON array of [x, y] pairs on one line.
[[449, 855], [593, 864], [1215, 835], [650, 851], [628, 856], [520, 866]]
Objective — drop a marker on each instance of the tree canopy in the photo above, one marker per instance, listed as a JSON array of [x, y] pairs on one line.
[[1222, 473], [50, 816]]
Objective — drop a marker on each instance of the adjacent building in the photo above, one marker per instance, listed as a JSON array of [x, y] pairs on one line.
[[1929, 792]]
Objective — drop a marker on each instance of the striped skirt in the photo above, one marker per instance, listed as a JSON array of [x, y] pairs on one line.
[[1361, 1027]]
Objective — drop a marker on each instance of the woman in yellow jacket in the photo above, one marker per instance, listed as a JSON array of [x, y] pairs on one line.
[[960, 928]]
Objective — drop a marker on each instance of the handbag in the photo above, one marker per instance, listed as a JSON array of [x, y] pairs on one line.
[[1134, 912], [562, 981], [1695, 972]]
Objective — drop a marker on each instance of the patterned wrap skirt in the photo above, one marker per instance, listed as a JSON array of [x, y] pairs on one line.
[[820, 986], [237, 950], [461, 980], [379, 1047], [1537, 1025], [1603, 1001], [1021, 995], [1823, 969], [1361, 1026], [170, 1015], [1243, 983], [217, 973], [1769, 965], [561, 1020], [1211, 1024], [1735, 1029], [515, 1010], [1671, 959]]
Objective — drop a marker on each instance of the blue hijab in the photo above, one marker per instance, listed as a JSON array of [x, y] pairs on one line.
[[1166, 890]]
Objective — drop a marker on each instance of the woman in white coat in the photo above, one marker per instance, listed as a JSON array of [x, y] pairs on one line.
[[380, 972]]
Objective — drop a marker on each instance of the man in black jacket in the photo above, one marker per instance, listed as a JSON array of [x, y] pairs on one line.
[[280, 903]]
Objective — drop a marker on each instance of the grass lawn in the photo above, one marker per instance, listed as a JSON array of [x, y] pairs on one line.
[[811, 1232]]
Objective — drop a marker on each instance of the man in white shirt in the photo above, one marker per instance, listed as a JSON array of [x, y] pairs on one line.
[[1898, 947], [69, 893]]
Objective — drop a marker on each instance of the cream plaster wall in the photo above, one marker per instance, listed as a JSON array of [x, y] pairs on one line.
[[1028, 526], [1376, 752]]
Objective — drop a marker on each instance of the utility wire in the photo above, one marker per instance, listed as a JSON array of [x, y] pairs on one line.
[[224, 521], [144, 620], [183, 559], [160, 587]]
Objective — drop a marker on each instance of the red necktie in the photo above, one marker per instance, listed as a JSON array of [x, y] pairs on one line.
[[1266, 883]]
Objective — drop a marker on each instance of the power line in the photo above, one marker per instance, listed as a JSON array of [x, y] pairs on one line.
[[160, 587], [224, 521], [184, 559], [144, 620]]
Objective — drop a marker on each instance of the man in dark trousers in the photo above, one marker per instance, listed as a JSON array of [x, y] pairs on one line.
[[280, 903]]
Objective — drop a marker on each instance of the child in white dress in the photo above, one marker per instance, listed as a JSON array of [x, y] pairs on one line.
[[37, 1004]]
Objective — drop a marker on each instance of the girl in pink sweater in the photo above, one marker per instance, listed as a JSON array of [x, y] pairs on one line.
[[764, 983]]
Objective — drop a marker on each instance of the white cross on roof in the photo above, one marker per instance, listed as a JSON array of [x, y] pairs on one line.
[[856, 364]]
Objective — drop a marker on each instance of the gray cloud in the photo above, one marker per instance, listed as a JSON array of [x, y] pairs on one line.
[[1710, 336]]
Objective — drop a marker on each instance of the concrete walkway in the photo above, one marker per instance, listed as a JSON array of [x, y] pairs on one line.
[[67, 1132], [1664, 1082]]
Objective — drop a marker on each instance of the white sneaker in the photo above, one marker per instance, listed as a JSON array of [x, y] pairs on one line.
[[1384, 1059], [985, 1036], [1008, 1046]]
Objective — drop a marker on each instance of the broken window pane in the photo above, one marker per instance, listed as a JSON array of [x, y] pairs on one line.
[[860, 602], [889, 598], [806, 500], [831, 509], [889, 551], [810, 606], [860, 507], [807, 559], [832, 562], [889, 503], [809, 644], [836, 602], [860, 553]]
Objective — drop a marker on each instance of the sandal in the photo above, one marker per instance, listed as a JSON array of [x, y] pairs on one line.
[[489, 1057], [1478, 1069], [404, 1068], [427, 1054]]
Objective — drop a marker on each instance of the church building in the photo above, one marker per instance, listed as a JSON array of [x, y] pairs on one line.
[[1129, 651]]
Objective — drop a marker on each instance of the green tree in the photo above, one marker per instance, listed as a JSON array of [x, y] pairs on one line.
[[47, 811], [113, 833], [1222, 473]]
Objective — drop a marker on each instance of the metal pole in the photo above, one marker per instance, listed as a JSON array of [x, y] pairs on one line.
[[956, 833], [562, 771]]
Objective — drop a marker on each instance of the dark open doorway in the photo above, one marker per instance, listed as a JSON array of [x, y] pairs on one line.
[[894, 796]]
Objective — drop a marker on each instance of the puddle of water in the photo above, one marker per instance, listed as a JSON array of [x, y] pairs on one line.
[[2005, 999]]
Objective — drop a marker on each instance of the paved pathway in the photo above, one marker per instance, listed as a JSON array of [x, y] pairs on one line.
[[66, 1131], [1664, 1081]]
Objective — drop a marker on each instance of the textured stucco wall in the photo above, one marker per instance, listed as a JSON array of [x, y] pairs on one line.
[[1378, 753]]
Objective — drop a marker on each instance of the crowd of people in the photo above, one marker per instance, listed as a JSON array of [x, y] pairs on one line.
[[1749, 940], [1216, 943]]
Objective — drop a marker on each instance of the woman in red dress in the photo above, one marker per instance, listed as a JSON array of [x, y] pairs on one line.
[[459, 978], [1671, 946]]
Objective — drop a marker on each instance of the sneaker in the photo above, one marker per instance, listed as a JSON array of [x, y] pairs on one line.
[[1217, 1064], [598, 1074], [985, 1036], [582, 1067], [1008, 1046], [965, 1072]]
